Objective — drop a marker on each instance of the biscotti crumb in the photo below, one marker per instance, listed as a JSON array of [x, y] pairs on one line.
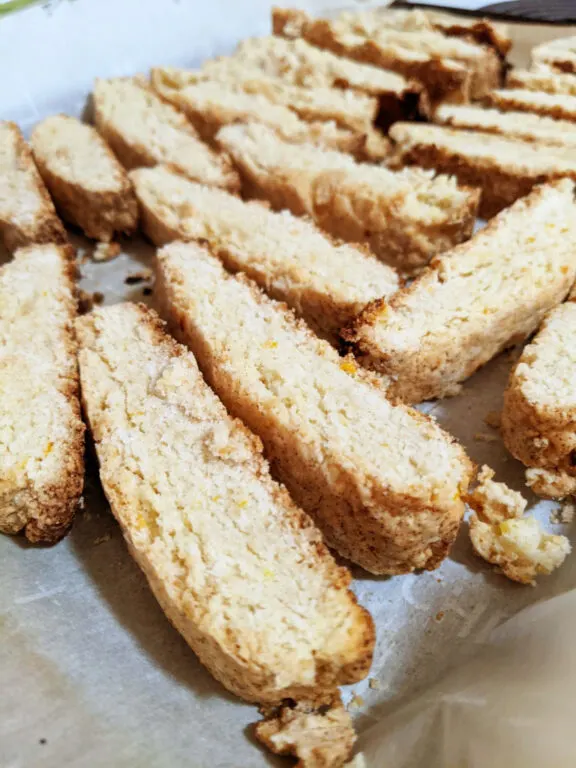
[[106, 251], [483, 437], [138, 277], [493, 419], [374, 683], [355, 702], [563, 515]]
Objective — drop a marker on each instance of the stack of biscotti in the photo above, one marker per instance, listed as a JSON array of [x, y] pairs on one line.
[[449, 64], [405, 217]]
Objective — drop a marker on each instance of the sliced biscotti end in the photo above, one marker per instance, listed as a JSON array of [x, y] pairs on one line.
[[90, 187], [558, 106], [540, 403], [474, 300], [239, 570], [384, 483], [537, 80], [144, 130], [27, 214], [558, 54], [41, 432]]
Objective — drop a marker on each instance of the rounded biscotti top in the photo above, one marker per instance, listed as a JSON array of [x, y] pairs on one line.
[[314, 392], [194, 494], [473, 281], [287, 246], [546, 371], [75, 151]]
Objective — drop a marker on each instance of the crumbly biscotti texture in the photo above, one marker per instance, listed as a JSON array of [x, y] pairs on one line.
[[405, 217], [521, 125], [41, 432], [383, 482], [211, 105], [536, 80], [558, 54], [347, 108], [88, 184], [27, 214], [239, 570], [323, 281], [505, 169], [539, 415], [558, 106], [475, 300], [444, 78], [143, 131]]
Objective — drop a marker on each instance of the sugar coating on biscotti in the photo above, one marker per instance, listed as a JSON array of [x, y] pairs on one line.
[[41, 432], [384, 483]]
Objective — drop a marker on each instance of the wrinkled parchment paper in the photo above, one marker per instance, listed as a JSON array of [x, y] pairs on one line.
[[91, 673]]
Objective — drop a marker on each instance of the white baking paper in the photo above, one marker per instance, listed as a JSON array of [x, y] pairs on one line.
[[91, 673]]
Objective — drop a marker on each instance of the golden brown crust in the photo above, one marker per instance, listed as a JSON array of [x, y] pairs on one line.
[[556, 106], [99, 213], [43, 226], [42, 502]]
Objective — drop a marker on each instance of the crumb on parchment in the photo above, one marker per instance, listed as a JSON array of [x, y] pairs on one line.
[[502, 536], [493, 419], [106, 251], [563, 515]]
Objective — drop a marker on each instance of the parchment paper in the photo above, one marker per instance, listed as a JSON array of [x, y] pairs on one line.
[[91, 673]]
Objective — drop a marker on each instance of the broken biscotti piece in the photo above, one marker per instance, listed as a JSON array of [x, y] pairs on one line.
[[27, 214], [558, 55], [536, 80], [88, 184], [539, 415], [209, 105], [475, 300], [502, 536], [299, 63], [505, 169], [521, 125], [239, 570], [41, 432], [383, 482], [450, 68], [405, 216], [318, 739], [143, 131], [557, 106], [289, 257]]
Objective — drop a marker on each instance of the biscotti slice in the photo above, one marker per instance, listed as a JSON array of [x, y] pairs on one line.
[[239, 570], [383, 482], [299, 63], [558, 54], [27, 214], [443, 78], [143, 130], [558, 106], [474, 300], [536, 80], [521, 125], [41, 433], [484, 64], [210, 105], [405, 217], [539, 415], [505, 169], [287, 256], [87, 182]]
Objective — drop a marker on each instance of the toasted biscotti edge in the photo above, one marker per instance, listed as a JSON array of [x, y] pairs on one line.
[[100, 214], [47, 228]]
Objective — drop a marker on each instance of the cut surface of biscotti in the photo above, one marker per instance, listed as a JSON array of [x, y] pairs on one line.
[[239, 570], [559, 106], [558, 54], [535, 80], [505, 169], [288, 256], [405, 217], [539, 415], [41, 433], [443, 77], [27, 214], [88, 184], [211, 105], [383, 482], [143, 130], [521, 125], [474, 300]]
